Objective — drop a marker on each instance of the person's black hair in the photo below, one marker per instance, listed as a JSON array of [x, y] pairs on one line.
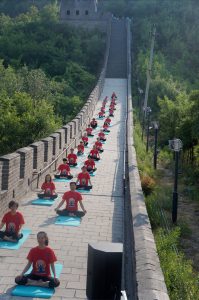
[[46, 236], [13, 203], [50, 177], [64, 159], [73, 182]]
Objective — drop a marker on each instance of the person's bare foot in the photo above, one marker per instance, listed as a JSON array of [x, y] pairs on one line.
[[8, 239]]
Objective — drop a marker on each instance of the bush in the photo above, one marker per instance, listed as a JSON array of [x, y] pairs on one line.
[[148, 185]]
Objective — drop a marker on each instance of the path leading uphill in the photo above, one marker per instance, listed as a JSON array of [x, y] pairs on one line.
[[103, 221]]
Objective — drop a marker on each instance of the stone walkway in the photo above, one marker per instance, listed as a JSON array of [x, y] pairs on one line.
[[103, 221]]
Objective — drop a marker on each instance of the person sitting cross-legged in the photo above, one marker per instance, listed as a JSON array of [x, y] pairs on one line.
[[108, 121], [85, 139], [94, 153], [99, 145], [42, 259], [80, 148], [93, 123], [89, 130], [72, 158], [90, 165], [101, 115], [84, 180], [105, 127], [103, 109], [48, 189], [101, 135], [111, 112], [72, 198], [13, 220], [64, 170], [113, 96]]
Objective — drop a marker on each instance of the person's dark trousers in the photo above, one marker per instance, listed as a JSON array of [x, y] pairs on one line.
[[94, 158], [103, 140], [63, 176], [86, 144], [84, 187], [101, 150], [90, 134], [94, 126], [42, 195], [24, 280], [79, 153], [91, 170], [73, 165], [66, 213], [106, 130], [12, 235]]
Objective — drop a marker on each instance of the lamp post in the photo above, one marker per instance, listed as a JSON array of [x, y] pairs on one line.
[[175, 145], [148, 112], [155, 154], [140, 91]]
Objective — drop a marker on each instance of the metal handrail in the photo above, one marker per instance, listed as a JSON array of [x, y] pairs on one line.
[[52, 163]]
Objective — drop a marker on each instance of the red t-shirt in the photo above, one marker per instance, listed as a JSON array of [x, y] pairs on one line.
[[72, 198], [90, 163], [48, 187], [64, 169], [94, 153], [105, 126], [98, 145], [102, 109], [85, 139], [101, 114], [13, 222], [89, 130], [83, 178], [80, 148], [72, 158], [111, 111], [108, 120], [101, 135], [41, 260]]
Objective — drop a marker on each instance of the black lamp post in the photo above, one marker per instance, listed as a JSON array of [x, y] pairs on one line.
[[175, 145], [148, 113], [155, 154]]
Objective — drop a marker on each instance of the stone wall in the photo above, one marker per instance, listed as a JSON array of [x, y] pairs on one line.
[[25, 169], [149, 276]]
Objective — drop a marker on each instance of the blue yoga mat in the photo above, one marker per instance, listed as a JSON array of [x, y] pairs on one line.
[[88, 146], [43, 202], [15, 246], [106, 133], [100, 118], [68, 221], [83, 191], [92, 174], [61, 180], [36, 291]]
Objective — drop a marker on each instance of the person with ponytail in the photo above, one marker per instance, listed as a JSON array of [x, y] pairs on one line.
[[42, 259]]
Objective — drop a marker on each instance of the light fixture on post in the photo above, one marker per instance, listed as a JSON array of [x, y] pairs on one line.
[[176, 146]]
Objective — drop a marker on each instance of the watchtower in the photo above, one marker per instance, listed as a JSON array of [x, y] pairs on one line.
[[84, 13]]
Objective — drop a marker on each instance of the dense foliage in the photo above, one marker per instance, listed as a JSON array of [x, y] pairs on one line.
[[47, 70]]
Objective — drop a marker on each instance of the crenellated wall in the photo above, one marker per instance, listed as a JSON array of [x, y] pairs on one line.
[[25, 169]]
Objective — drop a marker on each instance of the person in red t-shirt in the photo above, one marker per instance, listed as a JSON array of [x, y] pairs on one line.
[[89, 130], [98, 145], [102, 136], [85, 139], [108, 121], [112, 106], [72, 158], [64, 170], [14, 221], [94, 153], [42, 259], [111, 112], [72, 198], [84, 179], [80, 148], [105, 126], [101, 115], [48, 189], [113, 96], [102, 109], [93, 123], [90, 165]]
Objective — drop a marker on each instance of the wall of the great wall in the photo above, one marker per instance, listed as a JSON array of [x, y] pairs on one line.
[[25, 169], [149, 277]]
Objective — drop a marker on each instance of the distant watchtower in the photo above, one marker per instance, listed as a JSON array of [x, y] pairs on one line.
[[84, 13]]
